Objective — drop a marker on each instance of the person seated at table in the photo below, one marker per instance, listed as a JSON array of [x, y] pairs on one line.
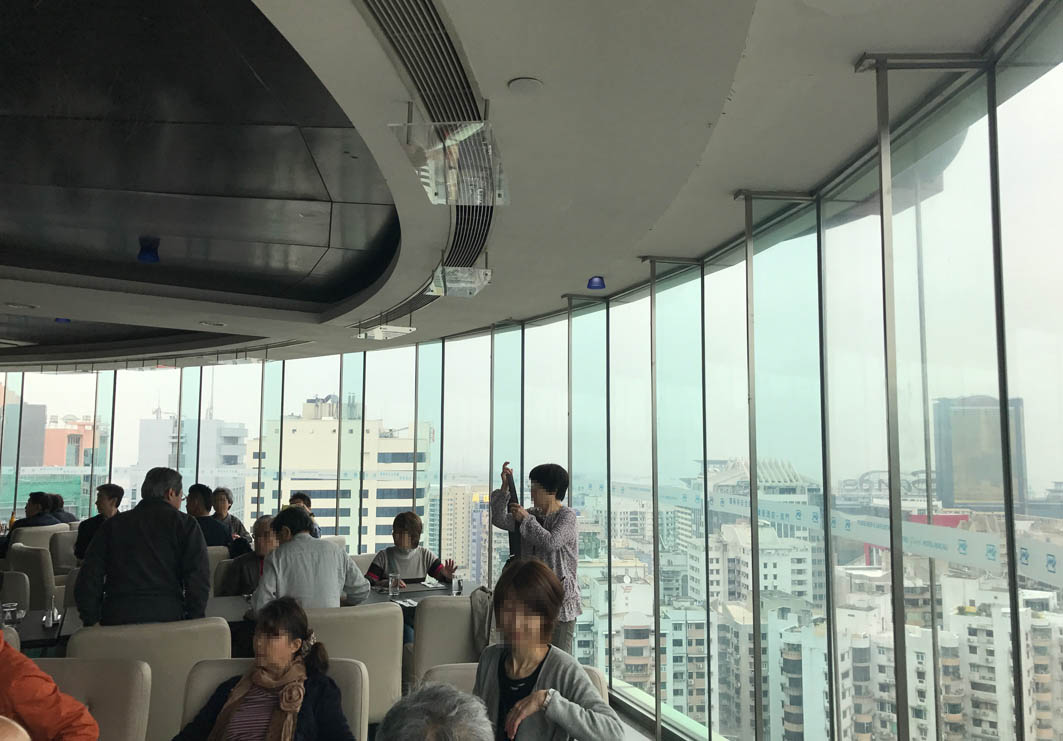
[[285, 696], [245, 571], [108, 497], [436, 711], [58, 510], [299, 499], [147, 565], [222, 499], [38, 514], [529, 686], [198, 503], [30, 698], [316, 572]]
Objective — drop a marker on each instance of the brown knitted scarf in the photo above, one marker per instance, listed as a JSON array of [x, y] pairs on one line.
[[282, 724]]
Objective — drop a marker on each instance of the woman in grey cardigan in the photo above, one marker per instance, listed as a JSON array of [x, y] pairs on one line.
[[549, 532], [531, 689]]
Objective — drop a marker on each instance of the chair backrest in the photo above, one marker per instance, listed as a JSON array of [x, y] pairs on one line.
[[349, 675], [37, 537], [74, 525], [170, 649], [363, 561], [12, 638], [442, 616], [215, 555], [116, 692], [220, 572], [61, 546], [463, 677], [15, 588], [69, 600], [371, 634], [339, 540], [36, 563]]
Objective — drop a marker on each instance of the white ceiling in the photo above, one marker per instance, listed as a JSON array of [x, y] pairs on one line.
[[650, 116]]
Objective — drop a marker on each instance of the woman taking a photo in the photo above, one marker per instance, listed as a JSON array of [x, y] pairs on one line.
[[285, 696], [549, 532], [531, 689]]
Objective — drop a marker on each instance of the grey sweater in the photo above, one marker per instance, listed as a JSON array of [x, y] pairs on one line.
[[576, 712]]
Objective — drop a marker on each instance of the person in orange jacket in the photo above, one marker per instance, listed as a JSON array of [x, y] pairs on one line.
[[29, 697]]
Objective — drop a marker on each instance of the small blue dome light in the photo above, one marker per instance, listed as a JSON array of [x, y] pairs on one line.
[[149, 250], [597, 283]]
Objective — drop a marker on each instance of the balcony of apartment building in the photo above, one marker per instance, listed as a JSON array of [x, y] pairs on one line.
[[1044, 730], [984, 731], [1042, 673], [1043, 711], [862, 727], [954, 732], [1042, 692]]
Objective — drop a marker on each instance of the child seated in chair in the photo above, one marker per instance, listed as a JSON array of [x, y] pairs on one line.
[[413, 563]]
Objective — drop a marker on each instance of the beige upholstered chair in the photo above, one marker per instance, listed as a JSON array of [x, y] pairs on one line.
[[36, 563], [463, 677], [11, 636], [15, 588], [75, 525], [215, 555], [363, 561], [339, 540], [442, 616], [37, 537], [117, 692], [371, 634], [61, 546], [349, 675], [170, 649], [220, 572], [69, 599]]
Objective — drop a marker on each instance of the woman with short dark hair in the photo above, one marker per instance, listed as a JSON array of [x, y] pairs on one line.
[[285, 696], [528, 685], [548, 531]]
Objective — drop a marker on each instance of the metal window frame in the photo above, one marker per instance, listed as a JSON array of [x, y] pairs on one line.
[[655, 505]]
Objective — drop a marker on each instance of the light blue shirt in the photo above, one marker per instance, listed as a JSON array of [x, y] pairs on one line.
[[317, 573]]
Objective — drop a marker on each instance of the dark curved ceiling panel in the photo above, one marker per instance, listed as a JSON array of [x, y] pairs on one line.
[[189, 121]]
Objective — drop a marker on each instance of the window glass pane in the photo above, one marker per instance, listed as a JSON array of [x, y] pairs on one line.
[[267, 497], [188, 431], [9, 442], [630, 421], [545, 394], [389, 445], [429, 423], [949, 416], [55, 452], [352, 386], [310, 437], [727, 486], [589, 474], [790, 559], [228, 432], [1031, 180], [467, 478], [681, 502], [101, 456], [506, 413], [856, 426], [145, 427]]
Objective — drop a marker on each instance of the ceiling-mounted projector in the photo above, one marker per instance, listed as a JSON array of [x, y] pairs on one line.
[[383, 332], [461, 282]]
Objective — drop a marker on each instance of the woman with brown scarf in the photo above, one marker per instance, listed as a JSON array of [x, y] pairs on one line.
[[285, 696]]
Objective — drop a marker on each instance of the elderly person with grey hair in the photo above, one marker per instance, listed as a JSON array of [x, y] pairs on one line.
[[436, 712], [222, 499], [147, 565], [245, 571]]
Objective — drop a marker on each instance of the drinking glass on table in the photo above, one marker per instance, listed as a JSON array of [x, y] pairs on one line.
[[9, 613], [394, 584]]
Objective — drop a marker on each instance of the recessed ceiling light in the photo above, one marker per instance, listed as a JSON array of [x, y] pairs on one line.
[[212, 324], [525, 85], [12, 305], [62, 320]]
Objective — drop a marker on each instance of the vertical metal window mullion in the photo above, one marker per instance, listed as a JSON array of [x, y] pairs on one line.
[[261, 416], [834, 682], [655, 504], [416, 413], [280, 441], [491, 462], [110, 438], [608, 499], [95, 419], [569, 397], [523, 401], [18, 439], [705, 495], [754, 501], [199, 418], [900, 657], [442, 440], [180, 421], [339, 447], [361, 451], [1005, 407]]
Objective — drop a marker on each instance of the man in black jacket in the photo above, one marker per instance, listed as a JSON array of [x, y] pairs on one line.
[[147, 565], [108, 499], [198, 504], [38, 506]]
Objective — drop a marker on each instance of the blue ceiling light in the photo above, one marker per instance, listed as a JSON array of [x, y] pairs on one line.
[[596, 283], [62, 320], [149, 250]]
